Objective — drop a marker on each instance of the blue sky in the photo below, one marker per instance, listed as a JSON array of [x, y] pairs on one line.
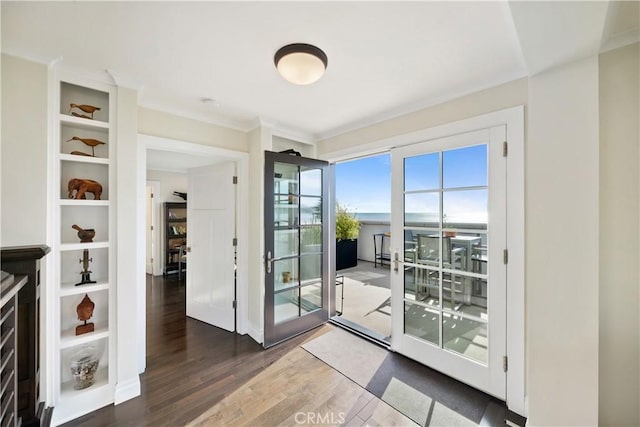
[[364, 185]]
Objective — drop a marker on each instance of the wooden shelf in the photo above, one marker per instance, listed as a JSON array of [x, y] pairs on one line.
[[90, 214], [83, 202], [177, 236], [83, 159], [69, 288], [82, 246], [80, 123], [69, 338]]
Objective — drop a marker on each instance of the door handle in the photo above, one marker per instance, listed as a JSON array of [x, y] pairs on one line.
[[268, 261], [396, 262], [188, 249]]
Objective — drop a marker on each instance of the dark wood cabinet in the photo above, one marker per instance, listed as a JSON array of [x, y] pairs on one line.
[[175, 218], [25, 261]]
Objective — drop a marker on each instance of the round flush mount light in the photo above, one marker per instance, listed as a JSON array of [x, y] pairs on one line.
[[300, 63]]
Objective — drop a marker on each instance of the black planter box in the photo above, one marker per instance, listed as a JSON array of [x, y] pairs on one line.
[[346, 253]]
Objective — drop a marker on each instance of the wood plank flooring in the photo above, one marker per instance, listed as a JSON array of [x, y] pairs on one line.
[[299, 389], [196, 370]]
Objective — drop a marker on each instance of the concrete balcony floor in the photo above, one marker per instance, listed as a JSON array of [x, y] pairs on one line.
[[367, 297]]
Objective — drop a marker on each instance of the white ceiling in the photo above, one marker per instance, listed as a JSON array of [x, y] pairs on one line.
[[385, 58]]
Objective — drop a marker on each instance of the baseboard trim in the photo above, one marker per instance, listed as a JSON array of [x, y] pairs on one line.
[[126, 390], [256, 334]]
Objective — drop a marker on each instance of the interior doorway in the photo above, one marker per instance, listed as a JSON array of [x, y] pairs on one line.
[[177, 158]]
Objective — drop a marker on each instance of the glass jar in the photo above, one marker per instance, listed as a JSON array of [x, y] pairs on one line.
[[84, 364]]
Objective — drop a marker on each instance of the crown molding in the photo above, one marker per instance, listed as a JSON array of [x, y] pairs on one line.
[[295, 135], [258, 121], [217, 120], [49, 61], [96, 76], [124, 81], [418, 106], [620, 40], [284, 131]]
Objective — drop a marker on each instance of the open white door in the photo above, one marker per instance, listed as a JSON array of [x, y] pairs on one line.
[[449, 272], [210, 281]]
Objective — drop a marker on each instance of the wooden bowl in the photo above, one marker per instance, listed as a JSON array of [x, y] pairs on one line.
[[86, 235]]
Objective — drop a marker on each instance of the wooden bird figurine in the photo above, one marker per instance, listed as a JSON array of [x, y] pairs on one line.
[[87, 141], [89, 109]]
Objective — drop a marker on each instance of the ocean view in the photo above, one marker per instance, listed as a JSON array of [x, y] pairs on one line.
[[422, 217]]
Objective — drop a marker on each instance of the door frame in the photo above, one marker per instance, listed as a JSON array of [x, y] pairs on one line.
[[145, 142], [156, 268], [513, 119]]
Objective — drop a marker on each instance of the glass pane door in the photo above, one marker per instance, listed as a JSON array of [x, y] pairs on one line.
[[295, 245], [446, 230]]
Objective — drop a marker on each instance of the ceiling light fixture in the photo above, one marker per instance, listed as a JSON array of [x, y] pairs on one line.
[[300, 63], [211, 103]]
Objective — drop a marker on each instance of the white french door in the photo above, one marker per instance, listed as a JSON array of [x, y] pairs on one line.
[[448, 236]]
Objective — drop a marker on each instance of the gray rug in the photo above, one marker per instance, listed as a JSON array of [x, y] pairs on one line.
[[427, 397]]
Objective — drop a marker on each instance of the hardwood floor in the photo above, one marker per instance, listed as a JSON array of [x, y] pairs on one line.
[[200, 375], [191, 366]]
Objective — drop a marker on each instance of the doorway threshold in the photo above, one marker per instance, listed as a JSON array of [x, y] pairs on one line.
[[361, 331]]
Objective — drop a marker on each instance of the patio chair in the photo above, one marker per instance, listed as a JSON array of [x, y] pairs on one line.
[[428, 254], [479, 258]]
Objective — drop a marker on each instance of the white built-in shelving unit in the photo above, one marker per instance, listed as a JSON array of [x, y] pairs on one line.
[[68, 250]]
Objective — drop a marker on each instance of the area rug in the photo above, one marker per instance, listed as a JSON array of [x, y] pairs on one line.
[[423, 395]]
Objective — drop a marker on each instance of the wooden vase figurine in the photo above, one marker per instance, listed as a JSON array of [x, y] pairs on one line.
[[89, 109], [89, 142], [85, 311]]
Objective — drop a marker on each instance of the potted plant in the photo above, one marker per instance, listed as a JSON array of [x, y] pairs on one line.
[[448, 233], [347, 230]]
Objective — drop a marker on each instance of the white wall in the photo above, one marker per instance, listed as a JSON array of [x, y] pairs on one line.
[[619, 237], [562, 245], [130, 249], [497, 98], [158, 123], [169, 182], [24, 152], [260, 139], [281, 144], [24, 175], [365, 239]]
